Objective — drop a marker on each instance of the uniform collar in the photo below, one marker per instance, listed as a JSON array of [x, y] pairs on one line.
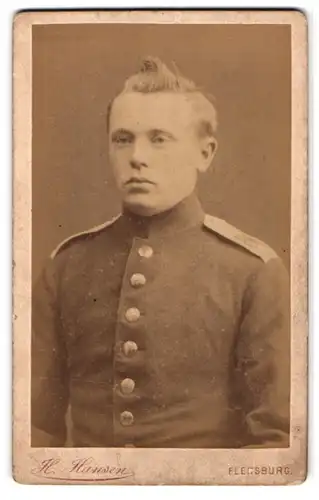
[[184, 215]]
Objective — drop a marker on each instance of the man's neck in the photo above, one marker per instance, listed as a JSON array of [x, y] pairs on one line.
[[185, 214]]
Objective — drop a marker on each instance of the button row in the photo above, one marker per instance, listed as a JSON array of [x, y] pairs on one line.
[[130, 347]]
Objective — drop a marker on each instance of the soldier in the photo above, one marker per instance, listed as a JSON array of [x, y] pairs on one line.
[[164, 327]]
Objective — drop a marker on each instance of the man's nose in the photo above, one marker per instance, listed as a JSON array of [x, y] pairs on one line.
[[138, 157]]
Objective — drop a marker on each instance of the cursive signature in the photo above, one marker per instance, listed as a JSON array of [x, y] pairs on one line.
[[80, 469]]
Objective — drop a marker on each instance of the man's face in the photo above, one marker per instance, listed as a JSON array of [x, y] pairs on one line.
[[154, 149]]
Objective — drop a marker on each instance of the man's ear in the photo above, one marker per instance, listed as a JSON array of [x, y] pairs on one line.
[[208, 151]]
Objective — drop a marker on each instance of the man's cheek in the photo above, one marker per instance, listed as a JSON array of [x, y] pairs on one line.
[[119, 163]]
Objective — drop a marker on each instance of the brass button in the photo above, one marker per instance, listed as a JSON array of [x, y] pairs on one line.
[[145, 251], [132, 314], [129, 347], [126, 418], [137, 280], [127, 386]]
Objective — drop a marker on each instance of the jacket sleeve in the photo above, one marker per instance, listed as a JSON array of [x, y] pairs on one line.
[[263, 357], [49, 381]]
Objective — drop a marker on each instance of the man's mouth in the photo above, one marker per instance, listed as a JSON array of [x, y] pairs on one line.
[[138, 180]]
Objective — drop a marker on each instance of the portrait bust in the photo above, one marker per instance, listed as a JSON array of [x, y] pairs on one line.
[[166, 326]]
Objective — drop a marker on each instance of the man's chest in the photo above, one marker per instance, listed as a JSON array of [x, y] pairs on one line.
[[178, 307]]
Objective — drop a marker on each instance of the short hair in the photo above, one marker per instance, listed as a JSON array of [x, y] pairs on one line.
[[154, 76]]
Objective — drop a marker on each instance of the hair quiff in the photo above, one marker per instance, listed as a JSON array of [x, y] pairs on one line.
[[155, 76]]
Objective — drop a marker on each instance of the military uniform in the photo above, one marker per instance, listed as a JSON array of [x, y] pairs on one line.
[[164, 331]]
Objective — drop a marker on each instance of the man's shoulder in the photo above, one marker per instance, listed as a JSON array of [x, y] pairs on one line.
[[228, 235], [83, 236], [237, 239]]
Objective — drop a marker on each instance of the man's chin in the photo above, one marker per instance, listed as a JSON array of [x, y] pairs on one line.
[[140, 204]]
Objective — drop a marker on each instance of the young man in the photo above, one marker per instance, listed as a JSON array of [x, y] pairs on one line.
[[165, 327]]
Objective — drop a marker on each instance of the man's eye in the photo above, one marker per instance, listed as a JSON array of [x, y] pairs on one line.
[[122, 139], [159, 139]]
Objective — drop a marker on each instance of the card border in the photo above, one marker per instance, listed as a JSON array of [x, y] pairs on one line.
[[170, 466]]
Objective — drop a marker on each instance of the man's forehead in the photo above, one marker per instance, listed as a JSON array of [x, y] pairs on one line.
[[136, 109]]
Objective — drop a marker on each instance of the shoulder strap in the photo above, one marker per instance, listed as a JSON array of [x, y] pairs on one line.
[[253, 245], [92, 230]]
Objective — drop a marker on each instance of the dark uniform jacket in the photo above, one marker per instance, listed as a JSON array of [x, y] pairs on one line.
[[164, 331]]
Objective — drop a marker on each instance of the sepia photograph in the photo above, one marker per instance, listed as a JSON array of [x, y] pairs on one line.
[[165, 258]]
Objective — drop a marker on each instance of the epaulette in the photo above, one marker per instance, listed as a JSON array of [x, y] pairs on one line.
[[74, 237], [250, 243]]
